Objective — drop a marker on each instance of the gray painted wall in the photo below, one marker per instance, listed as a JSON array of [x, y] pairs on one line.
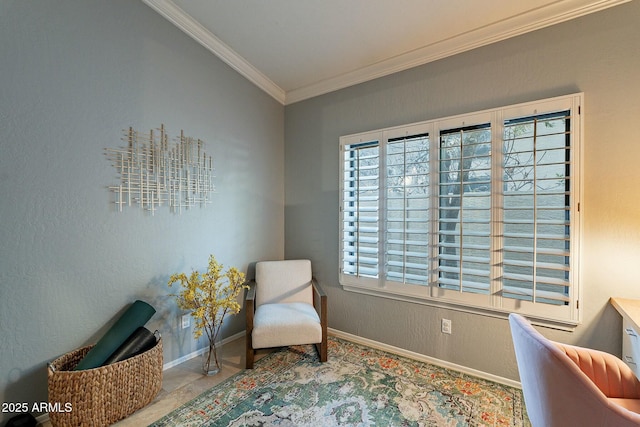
[[73, 74], [598, 54]]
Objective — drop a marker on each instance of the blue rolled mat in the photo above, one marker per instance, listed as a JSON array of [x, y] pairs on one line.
[[136, 316]]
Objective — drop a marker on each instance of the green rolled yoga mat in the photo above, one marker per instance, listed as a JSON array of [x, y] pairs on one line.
[[136, 316]]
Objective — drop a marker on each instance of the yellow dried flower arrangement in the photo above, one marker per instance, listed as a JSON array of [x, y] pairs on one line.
[[210, 297]]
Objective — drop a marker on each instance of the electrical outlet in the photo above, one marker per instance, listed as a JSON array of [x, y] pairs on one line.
[[186, 321], [446, 326]]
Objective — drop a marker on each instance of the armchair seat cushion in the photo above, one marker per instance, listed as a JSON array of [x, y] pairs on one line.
[[284, 324]]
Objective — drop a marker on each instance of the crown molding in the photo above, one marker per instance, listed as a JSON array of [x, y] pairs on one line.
[[552, 14], [195, 30], [537, 19]]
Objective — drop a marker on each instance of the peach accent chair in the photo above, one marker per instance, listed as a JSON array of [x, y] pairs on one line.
[[285, 306], [567, 386]]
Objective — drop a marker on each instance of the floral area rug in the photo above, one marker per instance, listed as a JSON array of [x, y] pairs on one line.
[[358, 386]]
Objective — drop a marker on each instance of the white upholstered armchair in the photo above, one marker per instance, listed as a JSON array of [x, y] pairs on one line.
[[285, 306]]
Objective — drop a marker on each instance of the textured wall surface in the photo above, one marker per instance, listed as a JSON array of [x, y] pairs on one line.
[[598, 54], [73, 74]]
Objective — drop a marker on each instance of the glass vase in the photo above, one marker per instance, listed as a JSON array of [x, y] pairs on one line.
[[211, 360]]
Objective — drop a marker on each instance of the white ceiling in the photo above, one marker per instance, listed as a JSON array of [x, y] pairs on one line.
[[297, 49]]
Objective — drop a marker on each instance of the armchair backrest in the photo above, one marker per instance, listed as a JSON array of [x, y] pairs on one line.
[[556, 391], [283, 281]]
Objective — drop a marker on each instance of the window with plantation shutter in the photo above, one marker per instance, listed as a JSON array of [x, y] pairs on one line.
[[360, 208], [536, 252], [407, 209], [479, 211], [464, 199]]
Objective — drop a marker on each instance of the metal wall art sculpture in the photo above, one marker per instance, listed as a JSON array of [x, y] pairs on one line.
[[154, 173]]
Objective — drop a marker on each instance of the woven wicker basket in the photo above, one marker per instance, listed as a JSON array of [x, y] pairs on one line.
[[104, 395]]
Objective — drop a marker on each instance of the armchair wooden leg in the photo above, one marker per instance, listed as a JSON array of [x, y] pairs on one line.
[[322, 350], [320, 304], [250, 354], [250, 311], [249, 364]]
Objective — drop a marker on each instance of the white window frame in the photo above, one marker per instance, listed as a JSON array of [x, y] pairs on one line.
[[492, 303]]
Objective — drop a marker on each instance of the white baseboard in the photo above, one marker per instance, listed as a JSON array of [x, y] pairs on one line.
[[380, 346], [422, 358], [198, 352]]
